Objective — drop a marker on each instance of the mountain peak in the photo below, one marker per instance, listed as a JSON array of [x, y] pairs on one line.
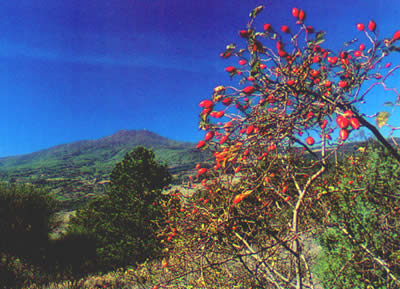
[[133, 132], [138, 137]]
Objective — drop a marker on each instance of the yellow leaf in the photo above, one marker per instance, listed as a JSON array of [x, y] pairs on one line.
[[382, 118]]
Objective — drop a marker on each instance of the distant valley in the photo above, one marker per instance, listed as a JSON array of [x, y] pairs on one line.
[[79, 171]]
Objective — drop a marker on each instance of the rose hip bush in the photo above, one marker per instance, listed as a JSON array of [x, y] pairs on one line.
[[258, 202]]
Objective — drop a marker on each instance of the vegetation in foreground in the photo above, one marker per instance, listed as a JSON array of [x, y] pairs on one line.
[[112, 231]]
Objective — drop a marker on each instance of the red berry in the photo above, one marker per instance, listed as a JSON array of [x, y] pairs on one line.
[[343, 54], [332, 60], [282, 53], [223, 139], [310, 115], [263, 66], [220, 114], [302, 15], [226, 54], [324, 123], [361, 47], [279, 45], [249, 89], [206, 111], [228, 124], [344, 134], [396, 35], [209, 135], [316, 59], [227, 101], [315, 73], [244, 33], [200, 144], [360, 27], [290, 82], [357, 53], [342, 122], [206, 104], [238, 198], [343, 84], [295, 12], [372, 25], [201, 171], [230, 69], [310, 29], [250, 129], [242, 62], [354, 123], [310, 140], [267, 27], [285, 29]]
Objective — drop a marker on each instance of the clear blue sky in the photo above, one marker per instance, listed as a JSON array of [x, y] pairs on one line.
[[84, 69]]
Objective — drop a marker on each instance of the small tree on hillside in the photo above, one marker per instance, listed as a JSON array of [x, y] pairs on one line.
[[123, 222], [139, 172]]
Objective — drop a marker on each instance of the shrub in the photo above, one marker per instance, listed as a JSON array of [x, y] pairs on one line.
[[361, 243]]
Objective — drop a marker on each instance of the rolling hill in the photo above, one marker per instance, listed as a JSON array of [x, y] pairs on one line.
[[80, 170]]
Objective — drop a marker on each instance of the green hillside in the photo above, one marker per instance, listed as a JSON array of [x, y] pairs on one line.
[[80, 170]]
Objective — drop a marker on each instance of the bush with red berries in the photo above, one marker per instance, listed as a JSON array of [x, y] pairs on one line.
[[273, 139]]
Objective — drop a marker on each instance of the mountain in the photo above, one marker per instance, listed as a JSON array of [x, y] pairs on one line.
[[80, 170]]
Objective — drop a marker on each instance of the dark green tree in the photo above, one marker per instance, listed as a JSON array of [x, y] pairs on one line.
[[138, 172], [25, 215], [124, 221], [24, 218]]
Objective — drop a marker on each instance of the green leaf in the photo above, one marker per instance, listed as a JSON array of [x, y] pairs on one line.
[[320, 37], [274, 36], [348, 43], [231, 46], [256, 10], [382, 118]]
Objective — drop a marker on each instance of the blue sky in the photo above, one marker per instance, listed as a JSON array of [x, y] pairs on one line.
[[73, 70]]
